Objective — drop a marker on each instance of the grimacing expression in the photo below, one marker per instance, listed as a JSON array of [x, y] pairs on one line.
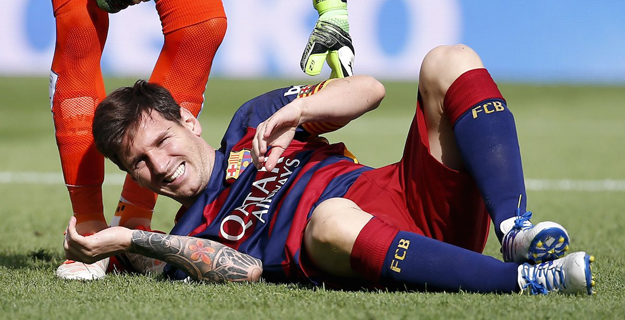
[[167, 157]]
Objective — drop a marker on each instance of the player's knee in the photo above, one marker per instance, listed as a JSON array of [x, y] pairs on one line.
[[331, 234], [215, 29], [325, 238], [444, 64], [205, 35], [450, 58], [324, 227]]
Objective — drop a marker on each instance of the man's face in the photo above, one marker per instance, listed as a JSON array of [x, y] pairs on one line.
[[169, 158]]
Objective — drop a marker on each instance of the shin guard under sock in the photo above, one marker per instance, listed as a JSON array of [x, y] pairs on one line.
[[435, 265], [486, 136]]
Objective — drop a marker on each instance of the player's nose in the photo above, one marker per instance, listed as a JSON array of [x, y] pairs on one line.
[[158, 162]]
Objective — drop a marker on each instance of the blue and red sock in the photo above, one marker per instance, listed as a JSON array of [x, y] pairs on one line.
[[486, 137], [385, 255]]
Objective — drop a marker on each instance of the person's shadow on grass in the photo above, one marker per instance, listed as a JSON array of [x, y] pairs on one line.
[[35, 259]]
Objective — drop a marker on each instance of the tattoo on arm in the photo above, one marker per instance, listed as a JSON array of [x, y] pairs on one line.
[[202, 259]]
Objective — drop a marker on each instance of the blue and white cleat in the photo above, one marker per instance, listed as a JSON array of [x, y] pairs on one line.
[[526, 242], [569, 275]]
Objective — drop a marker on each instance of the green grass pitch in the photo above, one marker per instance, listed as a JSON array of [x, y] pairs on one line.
[[572, 142]]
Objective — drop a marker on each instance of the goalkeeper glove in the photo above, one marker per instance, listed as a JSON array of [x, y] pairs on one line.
[[114, 6], [329, 41]]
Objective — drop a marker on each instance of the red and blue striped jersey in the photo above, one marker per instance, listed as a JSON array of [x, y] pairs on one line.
[[264, 213]]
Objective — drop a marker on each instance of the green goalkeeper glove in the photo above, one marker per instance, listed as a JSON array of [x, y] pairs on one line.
[[329, 41], [114, 6]]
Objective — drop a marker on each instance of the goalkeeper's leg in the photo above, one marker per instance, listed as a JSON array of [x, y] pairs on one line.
[[193, 32], [76, 87]]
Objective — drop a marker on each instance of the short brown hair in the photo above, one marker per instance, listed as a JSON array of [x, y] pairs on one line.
[[121, 112]]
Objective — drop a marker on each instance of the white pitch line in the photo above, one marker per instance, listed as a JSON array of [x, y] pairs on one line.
[[6, 177], [575, 185], [117, 179]]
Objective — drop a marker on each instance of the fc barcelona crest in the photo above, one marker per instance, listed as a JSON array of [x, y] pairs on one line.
[[238, 161]]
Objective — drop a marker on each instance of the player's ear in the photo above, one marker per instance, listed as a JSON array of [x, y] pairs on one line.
[[190, 121]]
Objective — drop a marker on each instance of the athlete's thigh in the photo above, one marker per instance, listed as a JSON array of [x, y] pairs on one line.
[[331, 233], [444, 202]]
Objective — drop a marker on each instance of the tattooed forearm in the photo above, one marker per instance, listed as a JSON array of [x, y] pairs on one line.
[[202, 259], [145, 265]]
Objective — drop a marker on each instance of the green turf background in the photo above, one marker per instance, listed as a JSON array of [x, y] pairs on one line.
[[568, 132]]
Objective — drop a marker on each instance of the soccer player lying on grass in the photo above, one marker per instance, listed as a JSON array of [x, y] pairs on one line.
[[306, 211], [192, 32]]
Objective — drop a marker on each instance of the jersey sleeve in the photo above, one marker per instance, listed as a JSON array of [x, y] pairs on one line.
[[259, 109], [317, 128]]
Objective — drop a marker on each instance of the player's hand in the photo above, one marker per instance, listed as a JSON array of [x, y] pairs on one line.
[[276, 133], [114, 6], [330, 41], [98, 246]]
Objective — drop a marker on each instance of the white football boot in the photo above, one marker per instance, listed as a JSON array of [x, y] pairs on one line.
[[525, 242], [569, 275], [74, 270]]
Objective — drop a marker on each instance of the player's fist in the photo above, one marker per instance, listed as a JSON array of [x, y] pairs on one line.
[[114, 6], [329, 41]]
